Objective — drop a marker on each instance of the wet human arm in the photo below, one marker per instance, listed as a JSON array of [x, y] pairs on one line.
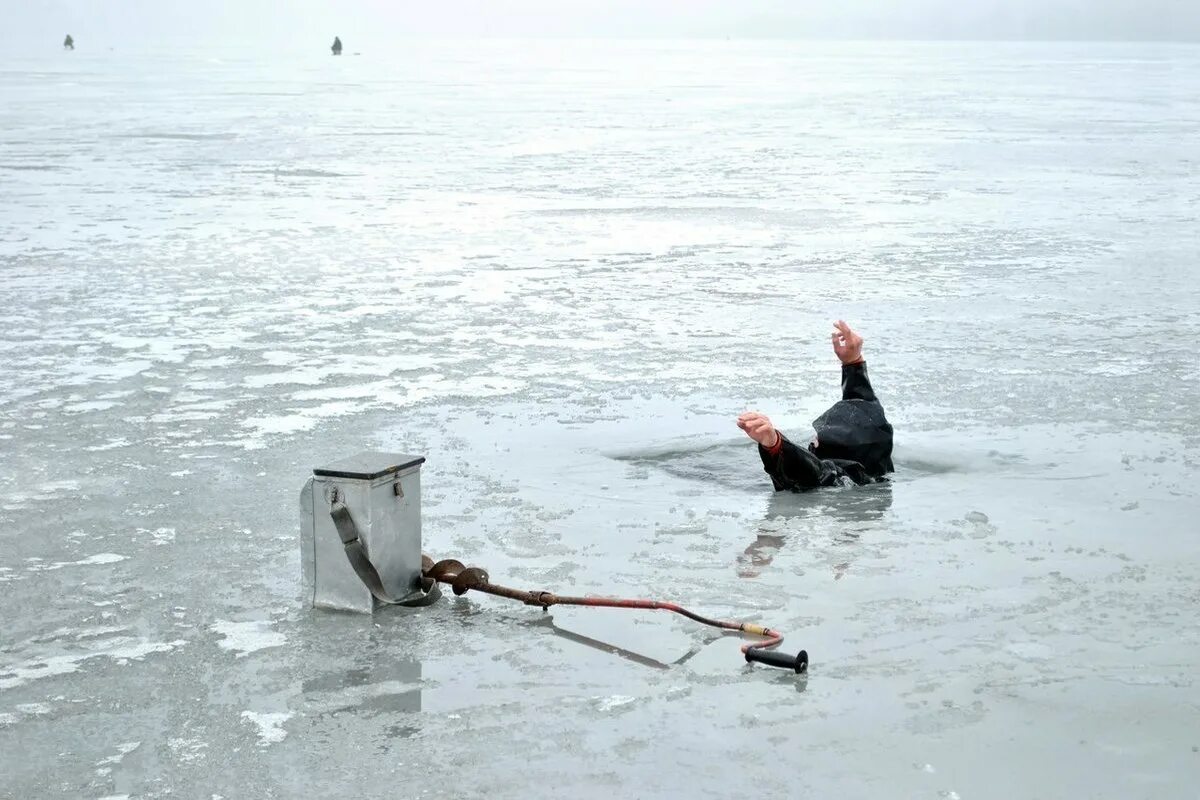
[[855, 383], [791, 466], [759, 428], [847, 345]]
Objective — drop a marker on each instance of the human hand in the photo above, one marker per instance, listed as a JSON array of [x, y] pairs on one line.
[[759, 428], [846, 343]]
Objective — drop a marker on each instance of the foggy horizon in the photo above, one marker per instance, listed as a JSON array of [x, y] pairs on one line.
[[223, 22]]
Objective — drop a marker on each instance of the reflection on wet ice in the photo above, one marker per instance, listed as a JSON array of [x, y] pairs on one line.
[[843, 514]]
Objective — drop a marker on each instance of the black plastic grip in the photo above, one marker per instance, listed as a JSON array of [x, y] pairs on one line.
[[774, 658]]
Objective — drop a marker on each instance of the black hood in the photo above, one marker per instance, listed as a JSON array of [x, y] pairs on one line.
[[855, 430]]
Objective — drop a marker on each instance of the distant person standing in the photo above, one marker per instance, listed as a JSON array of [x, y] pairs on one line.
[[337, 46], [68, 43]]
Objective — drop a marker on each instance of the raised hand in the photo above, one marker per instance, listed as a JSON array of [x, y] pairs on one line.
[[846, 343], [759, 428]]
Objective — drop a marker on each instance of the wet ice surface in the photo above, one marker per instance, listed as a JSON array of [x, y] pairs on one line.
[[560, 272]]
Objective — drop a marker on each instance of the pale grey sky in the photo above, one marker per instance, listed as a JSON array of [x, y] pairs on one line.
[[23, 22]]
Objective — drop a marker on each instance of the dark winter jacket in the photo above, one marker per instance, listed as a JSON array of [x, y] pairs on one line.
[[854, 442]]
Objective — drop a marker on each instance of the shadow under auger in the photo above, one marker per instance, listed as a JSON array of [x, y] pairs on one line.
[[361, 548], [462, 579]]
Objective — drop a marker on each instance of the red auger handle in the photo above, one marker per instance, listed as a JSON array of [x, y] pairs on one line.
[[774, 658]]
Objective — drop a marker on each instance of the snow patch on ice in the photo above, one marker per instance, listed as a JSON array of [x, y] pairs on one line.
[[247, 637], [270, 730], [98, 558], [160, 536], [613, 704], [119, 650], [187, 751], [122, 751]]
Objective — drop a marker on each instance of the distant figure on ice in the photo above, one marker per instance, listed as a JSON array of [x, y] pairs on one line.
[[853, 441], [337, 46], [68, 43]]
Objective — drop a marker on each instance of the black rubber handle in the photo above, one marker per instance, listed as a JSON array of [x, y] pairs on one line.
[[774, 658]]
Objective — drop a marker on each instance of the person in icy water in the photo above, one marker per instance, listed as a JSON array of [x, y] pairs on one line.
[[853, 439]]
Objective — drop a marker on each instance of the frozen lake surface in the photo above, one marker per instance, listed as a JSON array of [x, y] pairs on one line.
[[560, 270]]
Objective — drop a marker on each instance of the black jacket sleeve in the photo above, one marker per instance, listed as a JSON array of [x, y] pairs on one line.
[[793, 467], [855, 383]]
